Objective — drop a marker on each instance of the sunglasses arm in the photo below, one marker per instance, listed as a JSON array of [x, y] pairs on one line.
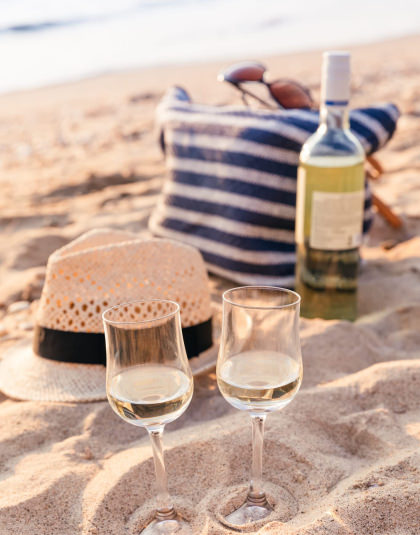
[[249, 94]]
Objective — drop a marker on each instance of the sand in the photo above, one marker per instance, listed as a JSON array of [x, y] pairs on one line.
[[343, 458]]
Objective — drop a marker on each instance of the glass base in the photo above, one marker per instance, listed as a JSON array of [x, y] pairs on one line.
[[167, 527], [250, 511]]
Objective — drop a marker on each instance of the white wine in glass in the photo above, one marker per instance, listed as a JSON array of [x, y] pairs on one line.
[[149, 384], [259, 370], [150, 394], [259, 380]]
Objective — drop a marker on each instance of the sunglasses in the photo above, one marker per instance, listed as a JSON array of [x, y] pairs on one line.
[[286, 93]]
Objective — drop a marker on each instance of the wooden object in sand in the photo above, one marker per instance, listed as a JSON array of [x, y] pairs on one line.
[[373, 173]]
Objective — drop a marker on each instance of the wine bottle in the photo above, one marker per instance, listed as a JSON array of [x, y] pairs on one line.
[[330, 202]]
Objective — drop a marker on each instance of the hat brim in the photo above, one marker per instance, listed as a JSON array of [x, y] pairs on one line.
[[205, 361], [26, 376]]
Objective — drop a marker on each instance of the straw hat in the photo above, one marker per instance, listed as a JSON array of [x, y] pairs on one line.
[[100, 269]]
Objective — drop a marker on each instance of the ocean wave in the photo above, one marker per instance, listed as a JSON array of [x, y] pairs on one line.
[[78, 14], [40, 26]]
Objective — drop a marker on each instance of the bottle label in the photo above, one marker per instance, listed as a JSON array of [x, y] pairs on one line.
[[300, 205], [337, 220]]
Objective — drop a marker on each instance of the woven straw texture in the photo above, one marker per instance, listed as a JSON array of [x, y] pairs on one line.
[[24, 375], [103, 268]]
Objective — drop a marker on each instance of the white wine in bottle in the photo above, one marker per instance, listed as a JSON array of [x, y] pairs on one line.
[[330, 203]]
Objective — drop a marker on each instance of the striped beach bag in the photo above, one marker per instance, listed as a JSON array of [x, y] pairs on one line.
[[230, 189]]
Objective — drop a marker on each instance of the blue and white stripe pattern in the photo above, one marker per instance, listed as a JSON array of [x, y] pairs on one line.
[[231, 185]]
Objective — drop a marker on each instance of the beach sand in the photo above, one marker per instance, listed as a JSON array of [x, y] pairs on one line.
[[342, 459]]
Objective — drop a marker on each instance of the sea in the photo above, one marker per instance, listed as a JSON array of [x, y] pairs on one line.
[[44, 42]]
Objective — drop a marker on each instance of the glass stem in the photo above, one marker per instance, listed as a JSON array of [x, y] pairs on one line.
[[256, 495], [165, 508]]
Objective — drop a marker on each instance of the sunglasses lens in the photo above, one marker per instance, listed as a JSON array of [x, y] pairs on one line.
[[243, 72], [291, 94]]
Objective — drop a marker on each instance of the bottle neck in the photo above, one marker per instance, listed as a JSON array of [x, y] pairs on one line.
[[334, 117]]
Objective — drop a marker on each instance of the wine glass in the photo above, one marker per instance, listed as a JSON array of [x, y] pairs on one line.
[[149, 383], [259, 370]]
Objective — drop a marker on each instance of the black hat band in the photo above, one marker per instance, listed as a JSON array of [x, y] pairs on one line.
[[89, 348]]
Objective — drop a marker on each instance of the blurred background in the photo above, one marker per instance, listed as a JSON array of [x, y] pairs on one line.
[[47, 42], [81, 80]]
